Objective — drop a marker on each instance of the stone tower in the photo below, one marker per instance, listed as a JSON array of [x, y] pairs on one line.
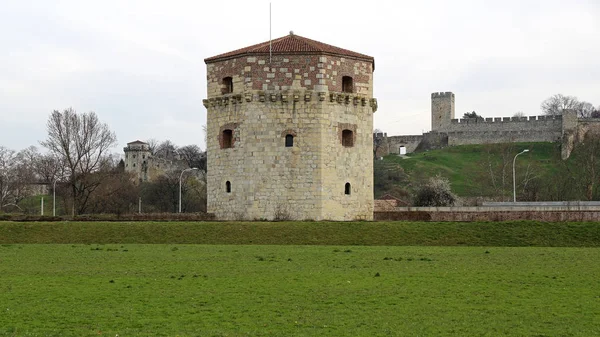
[[137, 155], [442, 110], [290, 132]]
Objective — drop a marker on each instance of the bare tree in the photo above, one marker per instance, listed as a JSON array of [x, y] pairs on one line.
[[554, 105], [166, 150], [17, 177], [585, 110], [193, 156], [46, 167], [81, 142], [162, 194], [117, 194], [519, 114], [152, 145], [7, 176]]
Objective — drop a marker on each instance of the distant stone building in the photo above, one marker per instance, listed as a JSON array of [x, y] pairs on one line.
[[290, 132], [446, 130], [145, 167]]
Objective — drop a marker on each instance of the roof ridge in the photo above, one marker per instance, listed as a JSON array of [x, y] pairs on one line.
[[293, 44]]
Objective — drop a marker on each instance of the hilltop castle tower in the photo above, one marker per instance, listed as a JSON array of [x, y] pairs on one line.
[[137, 155], [290, 132], [442, 110]]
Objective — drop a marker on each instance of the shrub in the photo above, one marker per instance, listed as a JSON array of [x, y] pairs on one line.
[[435, 193]]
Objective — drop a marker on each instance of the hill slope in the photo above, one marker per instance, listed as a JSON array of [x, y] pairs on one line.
[[473, 170]]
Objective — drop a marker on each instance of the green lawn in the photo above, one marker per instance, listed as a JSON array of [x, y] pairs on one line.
[[288, 290]]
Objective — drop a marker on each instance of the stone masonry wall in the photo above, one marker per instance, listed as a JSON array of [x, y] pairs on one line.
[[442, 109], [297, 95], [310, 72], [410, 143], [504, 130]]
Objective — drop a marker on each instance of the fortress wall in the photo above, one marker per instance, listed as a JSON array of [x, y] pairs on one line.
[[409, 142], [538, 123], [504, 130], [492, 137]]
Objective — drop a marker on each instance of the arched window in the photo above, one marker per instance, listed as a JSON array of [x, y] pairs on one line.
[[347, 84], [347, 138], [228, 187], [228, 85], [227, 139], [289, 140], [347, 189]]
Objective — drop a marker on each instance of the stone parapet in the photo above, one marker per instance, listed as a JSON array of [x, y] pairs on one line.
[[290, 96]]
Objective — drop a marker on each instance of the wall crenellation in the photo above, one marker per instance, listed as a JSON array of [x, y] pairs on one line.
[[449, 131], [442, 94], [505, 119]]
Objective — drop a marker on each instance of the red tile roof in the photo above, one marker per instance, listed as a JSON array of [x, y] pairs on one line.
[[137, 142], [291, 44]]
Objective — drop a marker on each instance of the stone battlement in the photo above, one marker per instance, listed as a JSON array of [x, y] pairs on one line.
[[442, 94], [505, 119], [449, 131], [291, 96]]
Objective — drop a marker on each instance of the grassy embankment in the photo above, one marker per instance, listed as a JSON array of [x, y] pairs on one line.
[[520, 233], [467, 166]]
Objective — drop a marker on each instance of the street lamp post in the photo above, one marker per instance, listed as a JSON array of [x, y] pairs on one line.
[[514, 178], [181, 175], [54, 198]]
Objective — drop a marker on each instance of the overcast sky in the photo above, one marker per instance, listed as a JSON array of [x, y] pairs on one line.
[[139, 64]]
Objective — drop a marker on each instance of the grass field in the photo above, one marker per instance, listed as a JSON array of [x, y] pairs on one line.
[[241, 290], [299, 279]]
